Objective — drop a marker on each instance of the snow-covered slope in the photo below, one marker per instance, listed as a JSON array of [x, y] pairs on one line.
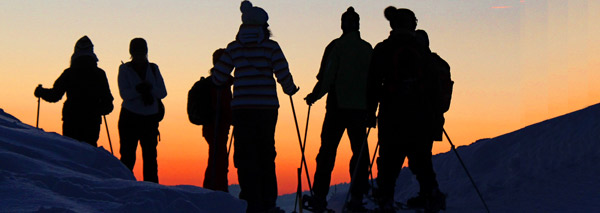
[[551, 166], [46, 172]]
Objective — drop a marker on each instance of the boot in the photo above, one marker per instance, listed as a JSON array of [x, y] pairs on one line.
[[417, 202], [435, 201], [356, 204], [314, 204], [385, 206]]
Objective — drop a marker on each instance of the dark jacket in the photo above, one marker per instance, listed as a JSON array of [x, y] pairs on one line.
[[343, 72], [88, 93], [399, 83]]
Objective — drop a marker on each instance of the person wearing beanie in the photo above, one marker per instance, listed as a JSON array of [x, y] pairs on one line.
[[400, 84], [257, 60], [142, 88], [216, 133], [88, 94], [343, 75]]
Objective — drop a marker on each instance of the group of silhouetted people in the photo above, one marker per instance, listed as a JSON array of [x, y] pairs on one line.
[[358, 79], [89, 98]]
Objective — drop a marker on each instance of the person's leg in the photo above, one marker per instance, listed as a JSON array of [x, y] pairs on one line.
[[91, 133], [421, 165], [267, 154], [222, 160], [128, 139], [83, 131], [390, 160], [245, 159], [208, 132], [148, 142], [357, 135], [331, 134], [215, 176]]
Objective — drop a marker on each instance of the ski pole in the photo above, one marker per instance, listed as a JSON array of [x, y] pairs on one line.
[[298, 201], [300, 169], [37, 120], [353, 178], [108, 134], [301, 146], [230, 143], [371, 166], [467, 171]]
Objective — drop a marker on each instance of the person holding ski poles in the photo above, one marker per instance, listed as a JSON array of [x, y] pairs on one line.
[[343, 75], [142, 87], [216, 132], [256, 58], [88, 94], [400, 84]]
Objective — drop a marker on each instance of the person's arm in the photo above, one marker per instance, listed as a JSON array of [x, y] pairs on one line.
[[312, 97], [57, 91], [126, 88], [221, 72], [374, 81], [282, 71], [106, 99], [328, 73], [159, 90]]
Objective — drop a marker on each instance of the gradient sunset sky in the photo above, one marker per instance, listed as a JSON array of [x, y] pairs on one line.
[[514, 63]]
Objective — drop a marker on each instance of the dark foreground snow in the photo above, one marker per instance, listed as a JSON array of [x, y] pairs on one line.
[[46, 172], [552, 166]]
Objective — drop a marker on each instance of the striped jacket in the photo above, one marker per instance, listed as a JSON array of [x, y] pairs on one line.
[[255, 59]]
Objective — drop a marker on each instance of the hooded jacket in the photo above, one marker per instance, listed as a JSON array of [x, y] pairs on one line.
[[255, 58]]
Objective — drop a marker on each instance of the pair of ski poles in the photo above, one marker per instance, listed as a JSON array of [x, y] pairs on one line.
[[457, 156], [37, 122], [303, 161]]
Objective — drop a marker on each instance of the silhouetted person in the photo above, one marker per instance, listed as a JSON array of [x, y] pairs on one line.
[[255, 58], [343, 75], [142, 87], [400, 83], [215, 176], [88, 94]]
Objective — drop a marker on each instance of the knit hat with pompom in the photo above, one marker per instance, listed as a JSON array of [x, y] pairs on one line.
[[253, 15]]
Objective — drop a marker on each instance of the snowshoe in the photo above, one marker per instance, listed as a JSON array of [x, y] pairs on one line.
[[355, 207], [315, 205]]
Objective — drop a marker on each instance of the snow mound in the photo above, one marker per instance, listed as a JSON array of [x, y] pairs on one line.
[[551, 166], [46, 172]]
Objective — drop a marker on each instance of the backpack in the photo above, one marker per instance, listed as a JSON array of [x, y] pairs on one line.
[[441, 69], [199, 107]]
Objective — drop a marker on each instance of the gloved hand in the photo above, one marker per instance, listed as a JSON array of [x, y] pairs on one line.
[[294, 91], [311, 99], [38, 91], [371, 120]]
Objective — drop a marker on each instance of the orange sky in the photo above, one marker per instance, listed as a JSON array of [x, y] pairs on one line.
[[515, 63]]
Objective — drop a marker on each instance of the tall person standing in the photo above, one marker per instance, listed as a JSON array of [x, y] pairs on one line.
[[142, 87], [255, 58], [343, 76], [401, 85]]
